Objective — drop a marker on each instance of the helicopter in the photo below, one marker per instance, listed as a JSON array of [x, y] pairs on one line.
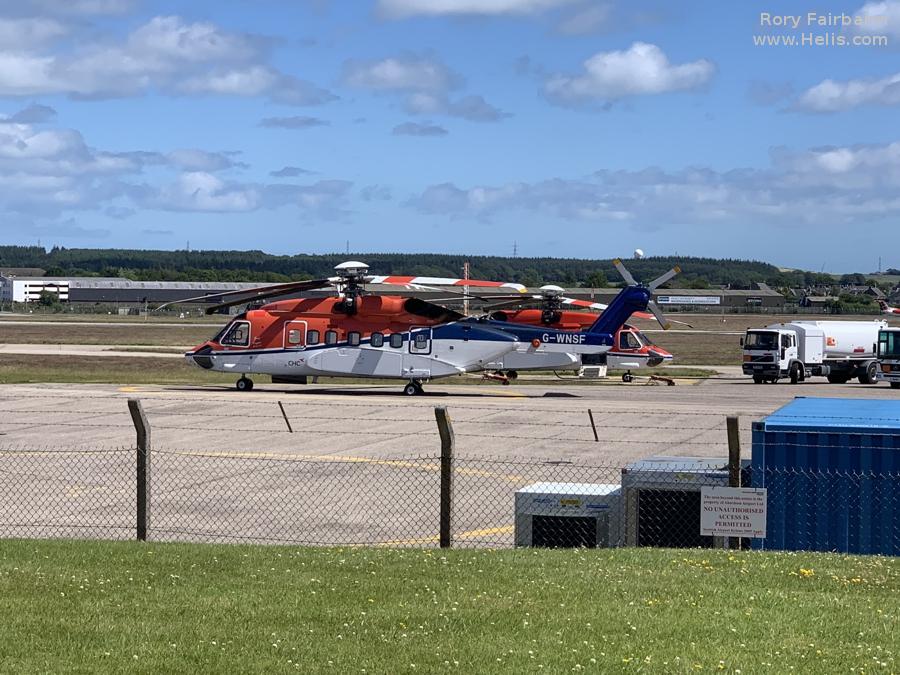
[[631, 350], [360, 334]]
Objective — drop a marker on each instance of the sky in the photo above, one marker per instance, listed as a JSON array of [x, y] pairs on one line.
[[570, 128]]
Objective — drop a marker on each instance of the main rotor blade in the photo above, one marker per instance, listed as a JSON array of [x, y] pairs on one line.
[[251, 294], [655, 310], [659, 281], [442, 281], [626, 275], [599, 306]]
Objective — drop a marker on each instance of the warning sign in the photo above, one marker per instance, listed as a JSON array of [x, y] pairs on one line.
[[732, 512]]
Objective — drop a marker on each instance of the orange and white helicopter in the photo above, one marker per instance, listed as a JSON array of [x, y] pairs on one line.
[[357, 334], [887, 309]]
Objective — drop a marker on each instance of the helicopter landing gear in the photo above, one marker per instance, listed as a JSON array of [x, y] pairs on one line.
[[499, 376], [627, 377], [244, 384], [414, 388]]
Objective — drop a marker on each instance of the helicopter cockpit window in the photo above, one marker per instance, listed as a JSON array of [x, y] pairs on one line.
[[397, 340], [237, 335], [647, 341], [376, 340], [628, 340], [330, 337], [312, 337], [353, 338]]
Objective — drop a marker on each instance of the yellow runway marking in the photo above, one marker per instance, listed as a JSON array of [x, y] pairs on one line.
[[128, 390], [470, 534], [430, 466]]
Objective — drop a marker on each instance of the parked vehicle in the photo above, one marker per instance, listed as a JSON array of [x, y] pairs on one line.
[[837, 350], [889, 356]]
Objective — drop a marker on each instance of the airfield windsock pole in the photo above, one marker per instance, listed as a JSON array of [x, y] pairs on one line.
[[142, 427], [445, 429]]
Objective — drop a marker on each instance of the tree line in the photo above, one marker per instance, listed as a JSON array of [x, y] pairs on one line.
[[150, 265]]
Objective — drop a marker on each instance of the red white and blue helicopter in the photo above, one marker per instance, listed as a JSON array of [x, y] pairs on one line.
[[358, 334]]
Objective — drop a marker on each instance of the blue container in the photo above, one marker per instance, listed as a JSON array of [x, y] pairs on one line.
[[832, 470]]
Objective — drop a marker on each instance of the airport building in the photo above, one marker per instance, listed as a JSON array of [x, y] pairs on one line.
[[121, 291], [112, 290]]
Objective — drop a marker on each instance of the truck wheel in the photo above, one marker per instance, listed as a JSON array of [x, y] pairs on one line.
[[794, 373], [895, 385], [757, 379], [869, 374]]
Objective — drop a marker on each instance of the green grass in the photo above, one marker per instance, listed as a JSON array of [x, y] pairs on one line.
[[28, 368], [129, 607]]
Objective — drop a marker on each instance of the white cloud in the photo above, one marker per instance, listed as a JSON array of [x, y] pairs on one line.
[[402, 73], [832, 96], [820, 187], [86, 7], [294, 122], [46, 173], [472, 107], [166, 53], [28, 33], [882, 18], [401, 9], [201, 191], [416, 129], [641, 69], [586, 20]]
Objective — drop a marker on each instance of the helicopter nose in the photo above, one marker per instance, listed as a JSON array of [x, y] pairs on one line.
[[200, 357]]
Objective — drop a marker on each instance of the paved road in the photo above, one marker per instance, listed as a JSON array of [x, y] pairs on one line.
[[360, 467]]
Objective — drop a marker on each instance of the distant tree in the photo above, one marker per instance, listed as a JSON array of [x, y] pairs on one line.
[[48, 299], [855, 279], [596, 280], [698, 282]]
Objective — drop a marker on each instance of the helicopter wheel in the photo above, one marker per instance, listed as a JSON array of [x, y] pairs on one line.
[[627, 377], [244, 384], [512, 374], [414, 388]]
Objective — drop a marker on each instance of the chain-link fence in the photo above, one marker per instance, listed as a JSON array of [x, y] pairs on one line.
[[398, 501]]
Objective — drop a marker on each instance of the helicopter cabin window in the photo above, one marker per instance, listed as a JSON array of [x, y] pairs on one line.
[[312, 337], [397, 340], [237, 335], [295, 337], [377, 340], [353, 338], [330, 337], [421, 341]]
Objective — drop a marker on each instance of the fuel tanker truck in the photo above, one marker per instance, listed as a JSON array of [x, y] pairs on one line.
[[838, 350], [889, 356]]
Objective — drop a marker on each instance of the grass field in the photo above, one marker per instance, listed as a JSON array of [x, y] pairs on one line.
[[25, 368], [105, 607], [29, 368], [87, 334]]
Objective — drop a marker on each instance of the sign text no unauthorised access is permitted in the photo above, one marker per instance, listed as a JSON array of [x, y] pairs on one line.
[[733, 512]]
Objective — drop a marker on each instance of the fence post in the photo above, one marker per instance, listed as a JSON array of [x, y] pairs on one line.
[[445, 429], [142, 427], [734, 464], [593, 426]]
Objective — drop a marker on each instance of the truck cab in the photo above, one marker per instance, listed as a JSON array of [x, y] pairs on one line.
[[889, 356], [770, 354]]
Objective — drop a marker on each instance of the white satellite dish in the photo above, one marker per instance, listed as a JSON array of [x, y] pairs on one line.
[[638, 254]]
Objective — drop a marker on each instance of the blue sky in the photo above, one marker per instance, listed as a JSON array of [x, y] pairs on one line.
[[576, 128]]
